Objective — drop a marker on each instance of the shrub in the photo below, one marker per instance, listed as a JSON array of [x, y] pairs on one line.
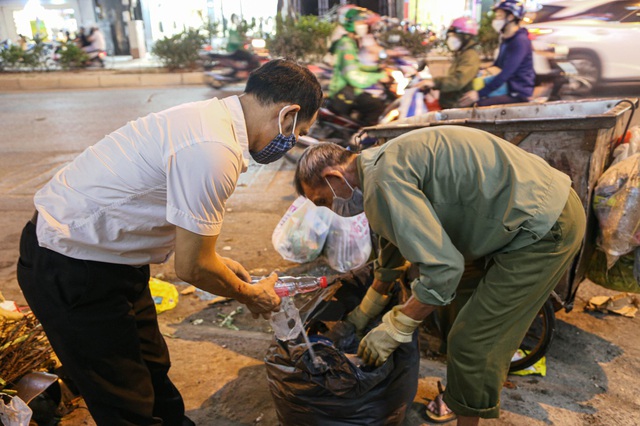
[[14, 57], [305, 39], [414, 42], [488, 38], [71, 56], [180, 50]]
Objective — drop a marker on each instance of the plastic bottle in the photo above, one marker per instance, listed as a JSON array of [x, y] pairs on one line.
[[290, 286]]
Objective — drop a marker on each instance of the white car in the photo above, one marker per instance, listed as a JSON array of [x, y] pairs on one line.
[[602, 36]]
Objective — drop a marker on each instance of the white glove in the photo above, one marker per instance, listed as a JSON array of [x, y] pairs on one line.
[[372, 304]]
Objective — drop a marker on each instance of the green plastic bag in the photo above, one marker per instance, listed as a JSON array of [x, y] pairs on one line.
[[620, 277]]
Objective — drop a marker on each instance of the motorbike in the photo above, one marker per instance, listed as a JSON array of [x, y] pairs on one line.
[[96, 58], [222, 69], [335, 128], [556, 77]]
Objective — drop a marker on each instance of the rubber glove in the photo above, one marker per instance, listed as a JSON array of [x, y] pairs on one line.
[[379, 344], [372, 304]]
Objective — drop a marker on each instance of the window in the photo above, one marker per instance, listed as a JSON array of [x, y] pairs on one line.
[[545, 14], [634, 17], [612, 11]]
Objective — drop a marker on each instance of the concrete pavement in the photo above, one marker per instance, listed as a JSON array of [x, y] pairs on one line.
[[119, 71]]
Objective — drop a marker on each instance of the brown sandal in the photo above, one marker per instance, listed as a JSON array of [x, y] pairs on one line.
[[433, 417]]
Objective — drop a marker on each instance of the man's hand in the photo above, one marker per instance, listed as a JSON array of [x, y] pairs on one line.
[[263, 298], [469, 98], [372, 304], [236, 268], [379, 344]]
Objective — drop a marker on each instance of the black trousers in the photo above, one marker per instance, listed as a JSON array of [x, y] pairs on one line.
[[369, 109], [101, 322]]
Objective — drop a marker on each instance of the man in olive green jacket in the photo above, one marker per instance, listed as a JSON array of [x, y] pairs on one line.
[[438, 197]]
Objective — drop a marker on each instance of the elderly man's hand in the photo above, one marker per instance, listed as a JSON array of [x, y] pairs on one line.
[[379, 344], [371, 306], [263, 300], [469, 98]]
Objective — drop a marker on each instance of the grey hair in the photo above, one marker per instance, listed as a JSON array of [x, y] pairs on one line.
[[314, 160]]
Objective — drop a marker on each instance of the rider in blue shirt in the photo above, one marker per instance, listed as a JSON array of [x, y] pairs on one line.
[[515, 60]]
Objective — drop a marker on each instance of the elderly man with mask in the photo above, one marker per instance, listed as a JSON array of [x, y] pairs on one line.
[[438, 197], [155, 186]]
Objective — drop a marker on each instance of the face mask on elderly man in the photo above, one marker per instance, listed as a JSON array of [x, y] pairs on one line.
[[347, 207], [279, 145]]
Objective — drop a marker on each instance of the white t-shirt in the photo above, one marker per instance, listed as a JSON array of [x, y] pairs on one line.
[[120, 200]]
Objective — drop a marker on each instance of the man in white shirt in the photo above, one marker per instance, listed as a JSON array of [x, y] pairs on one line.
[[155, 186]]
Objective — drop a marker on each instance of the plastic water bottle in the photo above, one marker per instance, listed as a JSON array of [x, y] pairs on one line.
[[290, 286]]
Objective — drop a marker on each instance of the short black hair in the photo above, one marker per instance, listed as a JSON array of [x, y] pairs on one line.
[[284, 80]]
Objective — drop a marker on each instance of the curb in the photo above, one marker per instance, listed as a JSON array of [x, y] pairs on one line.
[[39, 81]]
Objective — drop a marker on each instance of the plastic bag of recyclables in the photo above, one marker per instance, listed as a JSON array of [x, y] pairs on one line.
[[301, 233], [348, 244], [616, 203], [630, 145], [306, 231]]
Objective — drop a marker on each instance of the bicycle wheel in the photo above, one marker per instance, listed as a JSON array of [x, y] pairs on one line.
[[538, 337]]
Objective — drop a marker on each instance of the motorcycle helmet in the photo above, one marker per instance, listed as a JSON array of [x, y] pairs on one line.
[[349, 14], [464, 25], [515, 7]]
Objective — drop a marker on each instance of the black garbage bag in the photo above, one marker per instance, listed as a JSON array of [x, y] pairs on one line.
[[340, 393], [339, 390]]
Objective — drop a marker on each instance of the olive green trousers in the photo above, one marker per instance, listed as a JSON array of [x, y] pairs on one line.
[[492, 324]]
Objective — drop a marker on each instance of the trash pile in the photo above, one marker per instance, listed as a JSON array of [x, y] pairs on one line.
[[24, 348], [616, 202], [316, 378]]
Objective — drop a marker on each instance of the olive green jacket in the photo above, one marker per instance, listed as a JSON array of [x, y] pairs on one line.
[[464, 68], [439, 196]]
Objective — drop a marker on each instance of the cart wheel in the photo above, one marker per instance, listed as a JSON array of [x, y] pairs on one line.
[[538, 338]]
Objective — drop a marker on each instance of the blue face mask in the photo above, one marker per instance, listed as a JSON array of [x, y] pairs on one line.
[[278, 146]]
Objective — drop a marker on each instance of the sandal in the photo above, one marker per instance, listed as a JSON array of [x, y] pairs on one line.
[[432, 416]]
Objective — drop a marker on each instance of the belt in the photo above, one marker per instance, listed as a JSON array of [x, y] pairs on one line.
[[34, 218]]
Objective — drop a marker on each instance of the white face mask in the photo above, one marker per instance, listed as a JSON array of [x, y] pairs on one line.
[[498, 24], [453, 43], [361, 30]]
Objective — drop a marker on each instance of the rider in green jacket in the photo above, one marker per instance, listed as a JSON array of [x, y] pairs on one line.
[[353, 85]]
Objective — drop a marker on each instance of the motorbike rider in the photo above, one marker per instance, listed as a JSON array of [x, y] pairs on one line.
[[98, 45], [461, 40], [240, 60], [515, 60], [354, 86]]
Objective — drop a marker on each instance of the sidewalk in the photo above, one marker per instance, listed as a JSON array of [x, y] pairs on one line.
[[119, 71], [124, 71]]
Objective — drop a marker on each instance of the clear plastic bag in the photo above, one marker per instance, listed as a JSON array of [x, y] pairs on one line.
[[14, 411], [301, 233], [631, 147], [348, 244], [616, 203]]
